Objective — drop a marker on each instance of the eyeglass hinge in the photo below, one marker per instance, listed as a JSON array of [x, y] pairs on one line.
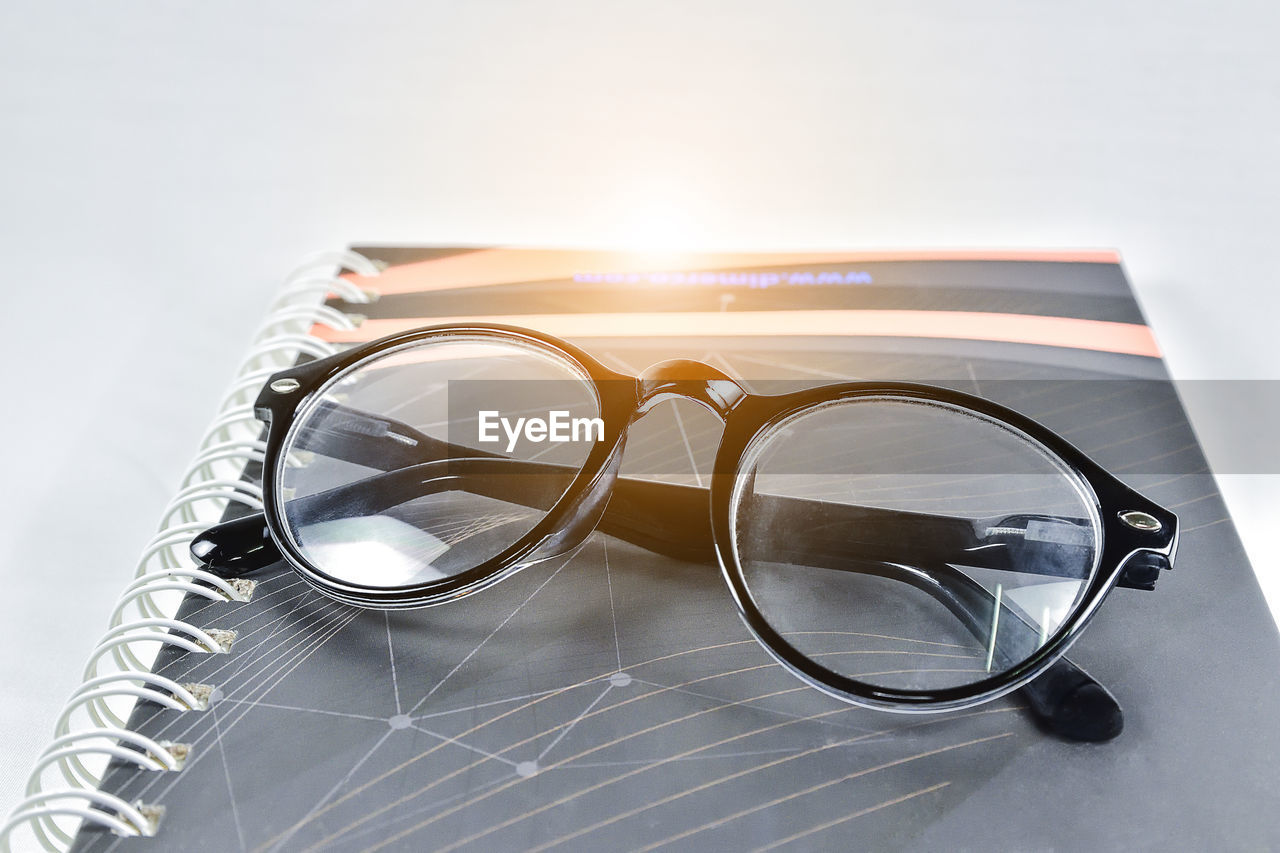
[[1142, 570]]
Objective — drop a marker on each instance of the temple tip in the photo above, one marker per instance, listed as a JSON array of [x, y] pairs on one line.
[[235, 548], [1088, 713]]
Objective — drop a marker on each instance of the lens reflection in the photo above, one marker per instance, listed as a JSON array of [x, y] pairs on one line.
[[910, 544], [420, 463]]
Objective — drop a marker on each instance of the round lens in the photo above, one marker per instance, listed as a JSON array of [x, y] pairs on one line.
[[424, 461], [909, 544]]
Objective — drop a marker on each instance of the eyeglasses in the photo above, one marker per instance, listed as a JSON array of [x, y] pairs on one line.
[[898, 546]]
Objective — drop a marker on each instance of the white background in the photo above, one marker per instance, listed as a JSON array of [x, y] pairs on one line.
[[162, 166]]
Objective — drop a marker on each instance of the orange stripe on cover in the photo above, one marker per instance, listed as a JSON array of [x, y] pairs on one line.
[[1069, 332], [507, 266]]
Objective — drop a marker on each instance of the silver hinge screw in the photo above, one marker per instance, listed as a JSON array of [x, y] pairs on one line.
[[1139, 520]]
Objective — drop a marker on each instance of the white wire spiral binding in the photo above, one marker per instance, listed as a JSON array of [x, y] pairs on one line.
[[143, 620]]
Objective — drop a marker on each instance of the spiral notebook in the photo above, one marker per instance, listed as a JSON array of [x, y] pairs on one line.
[[613, 699]]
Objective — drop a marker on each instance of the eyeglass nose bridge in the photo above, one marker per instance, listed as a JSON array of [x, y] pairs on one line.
[[690, 380]]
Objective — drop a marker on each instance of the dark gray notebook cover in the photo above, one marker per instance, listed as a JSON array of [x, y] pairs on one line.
[[613, 700]]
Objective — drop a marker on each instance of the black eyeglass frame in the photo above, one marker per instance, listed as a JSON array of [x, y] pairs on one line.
[[1128, 555]]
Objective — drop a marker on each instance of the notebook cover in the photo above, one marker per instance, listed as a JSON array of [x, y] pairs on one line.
[[613, 700]]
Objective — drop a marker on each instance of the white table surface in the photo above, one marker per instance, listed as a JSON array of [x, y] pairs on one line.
[[162, 166]]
